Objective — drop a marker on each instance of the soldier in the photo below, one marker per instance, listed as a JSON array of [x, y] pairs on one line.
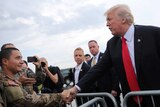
[[1, 100], [30, 78], [11, 63]]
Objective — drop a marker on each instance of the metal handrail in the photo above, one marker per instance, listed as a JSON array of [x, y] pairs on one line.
[[99, 95], [93, 101], [141, 93]]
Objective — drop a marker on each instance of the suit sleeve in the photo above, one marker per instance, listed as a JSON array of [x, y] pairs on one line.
[[97, 71], [115, 80]]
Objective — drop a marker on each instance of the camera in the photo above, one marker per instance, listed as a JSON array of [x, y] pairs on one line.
[[43, 64], [32, 59], [30, 74]]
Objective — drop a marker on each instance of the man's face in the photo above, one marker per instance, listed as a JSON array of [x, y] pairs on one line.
[[93, 48], [78, 56], [114, 23], [14, 63], [87, 58]]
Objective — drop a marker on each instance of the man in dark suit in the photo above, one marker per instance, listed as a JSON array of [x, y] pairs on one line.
[[87, 57], [108, 82], [143, 43], [79, 71]]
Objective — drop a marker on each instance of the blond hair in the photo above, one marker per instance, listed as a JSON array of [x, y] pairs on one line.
[[79, 49], [122, 11]]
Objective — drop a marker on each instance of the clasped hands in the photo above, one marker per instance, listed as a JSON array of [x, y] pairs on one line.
[[68, 95]]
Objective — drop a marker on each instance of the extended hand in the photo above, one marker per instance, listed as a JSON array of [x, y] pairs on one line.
[[69, 95], [65, 95], [73, 92]]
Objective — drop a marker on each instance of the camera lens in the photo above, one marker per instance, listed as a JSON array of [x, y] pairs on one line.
[[43, 64]]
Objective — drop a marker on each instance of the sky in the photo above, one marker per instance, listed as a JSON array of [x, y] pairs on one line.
[[54, 28]]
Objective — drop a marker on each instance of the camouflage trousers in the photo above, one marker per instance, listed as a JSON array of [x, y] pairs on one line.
[[1, 102]]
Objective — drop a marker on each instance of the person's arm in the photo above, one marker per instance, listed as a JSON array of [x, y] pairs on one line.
[[97, 71], [71, 93], [40, 74], [25, 80], [1, 102], [54, 77], [115, 83]]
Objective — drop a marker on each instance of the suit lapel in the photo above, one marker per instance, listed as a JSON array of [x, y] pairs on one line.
[[137, 49], [100, 56], [81, 72]]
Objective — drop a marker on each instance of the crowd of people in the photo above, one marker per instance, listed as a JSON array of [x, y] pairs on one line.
[[20, 85], [131, 59]]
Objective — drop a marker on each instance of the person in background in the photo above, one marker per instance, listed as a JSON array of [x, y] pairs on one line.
[[11, 63], [140, 45], [79, 71], [87, 57], [28, 73], [110, 81], [53, 82]]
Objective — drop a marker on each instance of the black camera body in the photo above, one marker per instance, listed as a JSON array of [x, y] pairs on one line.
[[43, 64], [32, 59]]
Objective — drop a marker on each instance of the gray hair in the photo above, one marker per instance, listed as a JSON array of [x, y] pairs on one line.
[[122, 11]]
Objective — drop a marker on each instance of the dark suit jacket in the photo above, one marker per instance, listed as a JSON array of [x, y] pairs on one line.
[[109, 81], [147, 60], [84, 69]]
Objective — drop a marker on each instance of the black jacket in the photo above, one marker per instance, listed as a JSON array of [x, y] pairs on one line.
[[84, 69], [109, 81], [147, 61]]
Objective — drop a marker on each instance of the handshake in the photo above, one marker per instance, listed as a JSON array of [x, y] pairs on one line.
[[69, 94]]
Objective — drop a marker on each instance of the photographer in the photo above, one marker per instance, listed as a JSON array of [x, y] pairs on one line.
[[40, 74], [53, 82], [28, 78]]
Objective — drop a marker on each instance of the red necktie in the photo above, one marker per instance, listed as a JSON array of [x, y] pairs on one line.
[[130, 73]]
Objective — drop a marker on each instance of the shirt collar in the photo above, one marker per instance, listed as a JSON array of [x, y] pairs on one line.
[[129, 34], [78, 67], [97, 55]]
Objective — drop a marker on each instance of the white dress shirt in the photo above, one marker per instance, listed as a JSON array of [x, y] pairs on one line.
[[129, 36], [77, 71]]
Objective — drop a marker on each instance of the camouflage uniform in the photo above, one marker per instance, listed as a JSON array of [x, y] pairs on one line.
[[16, 96], [2, 104], [39, 76]]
